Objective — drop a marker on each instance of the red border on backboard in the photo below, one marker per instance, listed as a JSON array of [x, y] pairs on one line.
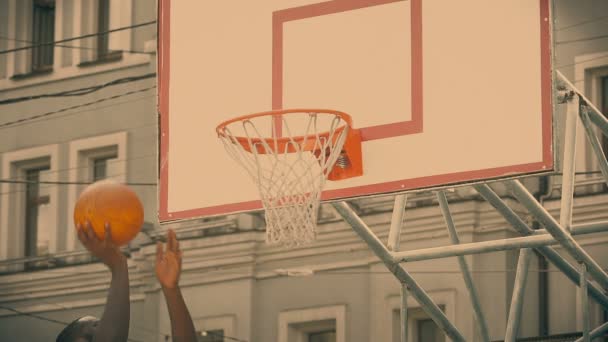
[[375, 132], [337, 6]]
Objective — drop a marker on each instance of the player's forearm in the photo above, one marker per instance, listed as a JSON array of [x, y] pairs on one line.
[[114, 324], [181, 322]]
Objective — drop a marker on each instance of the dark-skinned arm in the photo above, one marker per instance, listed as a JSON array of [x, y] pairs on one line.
[[168, 270], [114, 324]]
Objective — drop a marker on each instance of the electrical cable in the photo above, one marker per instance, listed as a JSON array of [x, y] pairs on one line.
[[67, 183], [3, 52], [80, 91], [79, 47], [43, 115]]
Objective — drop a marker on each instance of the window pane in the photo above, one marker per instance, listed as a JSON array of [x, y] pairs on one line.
[[428, 331], [103, 21], [100, 167], [211, 336], [43, 31], [324, 336], [36, 206]]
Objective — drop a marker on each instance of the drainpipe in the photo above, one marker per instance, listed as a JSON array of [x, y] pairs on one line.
[[544, 192]]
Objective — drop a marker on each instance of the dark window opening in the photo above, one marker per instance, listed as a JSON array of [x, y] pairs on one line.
[[43, 35]]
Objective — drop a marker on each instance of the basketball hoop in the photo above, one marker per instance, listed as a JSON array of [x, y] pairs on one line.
[[289, 154]]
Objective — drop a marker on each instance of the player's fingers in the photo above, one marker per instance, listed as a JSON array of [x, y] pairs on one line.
[[81, 234], [175, 243], [159, 251], [107, 232], [90, 233], [171, 240]]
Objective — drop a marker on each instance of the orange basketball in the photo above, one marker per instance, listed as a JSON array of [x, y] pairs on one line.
[[109, 201]]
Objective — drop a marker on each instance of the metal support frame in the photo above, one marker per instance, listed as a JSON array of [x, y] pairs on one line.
[[597, 332], [569, 162], [464, 268], [561, 235], [554, 233], [398, 271], [520, 226], [584, 303], [404, 319], [517, 299]]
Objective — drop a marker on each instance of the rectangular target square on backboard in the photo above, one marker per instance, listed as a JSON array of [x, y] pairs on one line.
[[363, 57]]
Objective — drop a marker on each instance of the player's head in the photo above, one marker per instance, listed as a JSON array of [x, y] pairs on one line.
[[80, 330]]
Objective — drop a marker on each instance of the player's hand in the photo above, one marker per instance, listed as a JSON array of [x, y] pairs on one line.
[[168, 261], [105, 250]]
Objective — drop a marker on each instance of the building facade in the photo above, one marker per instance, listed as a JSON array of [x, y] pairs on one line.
[[98, 119]]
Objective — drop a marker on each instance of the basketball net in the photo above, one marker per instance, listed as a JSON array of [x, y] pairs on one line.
[[289, 168]]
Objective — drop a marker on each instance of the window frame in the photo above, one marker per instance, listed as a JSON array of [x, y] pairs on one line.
[[589, 69], [69, 20], [12, 198], [294, 325], [227, 323], [81, 153], [444, 298]]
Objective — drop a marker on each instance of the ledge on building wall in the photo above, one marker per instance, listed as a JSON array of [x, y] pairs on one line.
[[112, 56], [34, 73]]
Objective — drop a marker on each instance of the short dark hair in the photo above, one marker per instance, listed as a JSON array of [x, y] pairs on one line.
[[69, 333]]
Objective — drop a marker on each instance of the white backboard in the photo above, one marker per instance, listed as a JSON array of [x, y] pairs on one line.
[[444, 92]]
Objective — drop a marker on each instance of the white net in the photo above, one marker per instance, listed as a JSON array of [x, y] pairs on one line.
[[289, 157]]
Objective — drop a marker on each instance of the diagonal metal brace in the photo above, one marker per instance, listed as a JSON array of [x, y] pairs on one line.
[[565, 239], [520, 226], [427, 304]]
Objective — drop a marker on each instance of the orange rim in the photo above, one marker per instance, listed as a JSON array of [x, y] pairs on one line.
[[284, 144]]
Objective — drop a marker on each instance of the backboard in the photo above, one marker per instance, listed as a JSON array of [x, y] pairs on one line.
[[443, 92]]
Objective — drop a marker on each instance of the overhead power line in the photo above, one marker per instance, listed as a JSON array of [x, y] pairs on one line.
[[79, 47], [18, 181], [79, 91], [39, 116], [78, 37]]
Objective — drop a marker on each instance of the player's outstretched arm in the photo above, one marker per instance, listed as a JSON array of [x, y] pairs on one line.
[[114, 324], [168, 270]]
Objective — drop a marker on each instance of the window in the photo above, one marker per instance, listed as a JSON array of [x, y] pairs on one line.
[[92, 159], [421, 328], [323, 336], [428, 331], [36, 229], [100, 167], [43, 31], [320, 324], [104, 53], [211, 336], [28, 211], [214, 328]]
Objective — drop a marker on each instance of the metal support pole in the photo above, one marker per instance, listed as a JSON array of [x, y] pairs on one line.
[[464, 268], [584, 303], [565, 239], [569, 163], [517, 299], [404, 319], [400, 273], [594, 114], [595, 143], [597, 332], [516, 222], [394, 233], [474, 248]]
